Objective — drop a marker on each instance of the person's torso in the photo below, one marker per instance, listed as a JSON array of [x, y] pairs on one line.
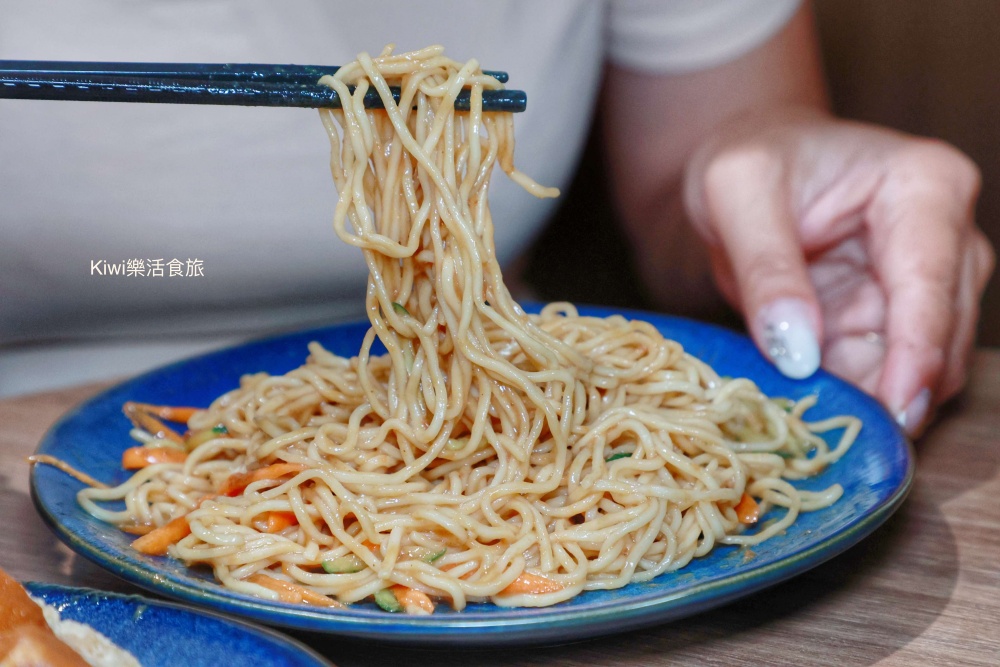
[[240, 195]]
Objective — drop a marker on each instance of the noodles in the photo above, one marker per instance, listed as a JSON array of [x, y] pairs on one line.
[[487, 454]]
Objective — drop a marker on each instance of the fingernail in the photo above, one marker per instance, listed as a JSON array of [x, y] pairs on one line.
[[913, 416], [789, 338]]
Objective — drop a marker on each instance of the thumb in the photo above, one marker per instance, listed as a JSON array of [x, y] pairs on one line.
[[752, 228]]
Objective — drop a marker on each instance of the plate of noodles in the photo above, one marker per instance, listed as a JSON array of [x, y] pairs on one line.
[[875, 474], [156, 633], [457, 470]]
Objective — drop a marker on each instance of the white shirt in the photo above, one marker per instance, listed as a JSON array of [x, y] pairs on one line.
[[244, 195]]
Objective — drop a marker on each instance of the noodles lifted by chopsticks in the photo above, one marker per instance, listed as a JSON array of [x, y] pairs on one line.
[[488, 454]]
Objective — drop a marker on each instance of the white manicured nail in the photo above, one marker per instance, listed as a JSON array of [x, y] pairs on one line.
[[916, 412], [789, 338]]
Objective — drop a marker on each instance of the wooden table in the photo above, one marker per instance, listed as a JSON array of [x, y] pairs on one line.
[[924, 590]]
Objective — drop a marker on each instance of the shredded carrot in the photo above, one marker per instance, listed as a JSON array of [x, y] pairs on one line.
[[278, 521], [147, 422], [66, 468], [168, 412], [531, 584], [134, 458], [136, 528], [747, 510], [413, 601], [235, 484], [294, 593], [156, 541]]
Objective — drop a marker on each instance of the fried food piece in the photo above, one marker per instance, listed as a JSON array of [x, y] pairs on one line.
[[16, 608], [32, 646], [25, 638]]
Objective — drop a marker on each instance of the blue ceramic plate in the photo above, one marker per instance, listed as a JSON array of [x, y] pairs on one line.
[[163, 634], [876, 475]]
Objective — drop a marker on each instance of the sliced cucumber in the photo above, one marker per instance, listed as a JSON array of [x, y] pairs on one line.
[[386, 599], [425, 554], [344, 565]]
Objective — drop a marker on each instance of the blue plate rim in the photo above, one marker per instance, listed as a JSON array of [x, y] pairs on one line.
[[42, 588], [494, 627]]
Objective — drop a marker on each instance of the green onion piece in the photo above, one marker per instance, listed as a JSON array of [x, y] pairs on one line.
[[400, 308], [434, 556], [220, 430], [344, 565], [408, 359], [386, 599], [619, 455]]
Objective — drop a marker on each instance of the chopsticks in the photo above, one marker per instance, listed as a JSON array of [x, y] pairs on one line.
[[202, 83]]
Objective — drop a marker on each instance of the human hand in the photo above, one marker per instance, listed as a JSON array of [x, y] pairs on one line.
[[850, 244]]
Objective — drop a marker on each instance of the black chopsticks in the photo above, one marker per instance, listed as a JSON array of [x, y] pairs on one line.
[[201, 83]]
